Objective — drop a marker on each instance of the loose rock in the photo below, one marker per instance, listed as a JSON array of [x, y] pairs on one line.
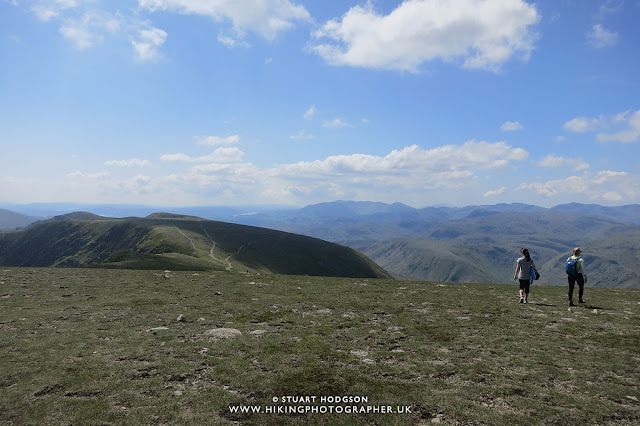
[[223, 332]]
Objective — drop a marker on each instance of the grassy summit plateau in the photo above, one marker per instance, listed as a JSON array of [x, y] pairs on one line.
[[105, 346]]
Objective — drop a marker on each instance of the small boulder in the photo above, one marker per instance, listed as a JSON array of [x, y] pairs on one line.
[[181, 318], [223, 333]]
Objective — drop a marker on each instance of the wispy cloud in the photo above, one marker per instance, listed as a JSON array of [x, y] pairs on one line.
[[599, 37], [421, 31], [83, 175], [510, 126], [134, 162], [605, 185], [302, 135], [338, 122], [628, 123], [218, 141], [266, 18], [310, 112], [552, 161], [495, 192], [147, 44], [220, 155]]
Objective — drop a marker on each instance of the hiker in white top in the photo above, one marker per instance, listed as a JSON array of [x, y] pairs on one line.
[[524, 265]]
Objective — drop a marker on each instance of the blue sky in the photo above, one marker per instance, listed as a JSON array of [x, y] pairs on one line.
[[220, 102]]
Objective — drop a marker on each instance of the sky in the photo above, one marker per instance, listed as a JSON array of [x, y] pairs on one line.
[[296, 102]]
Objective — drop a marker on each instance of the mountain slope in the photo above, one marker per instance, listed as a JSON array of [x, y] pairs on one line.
[[10, 219], [165, 241]]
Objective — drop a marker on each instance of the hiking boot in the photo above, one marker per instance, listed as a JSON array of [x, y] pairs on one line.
[[580, 301], [521, 300], [526, 301], [571, 303]]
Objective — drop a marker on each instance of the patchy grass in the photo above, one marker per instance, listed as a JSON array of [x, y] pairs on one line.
[[94, 346]]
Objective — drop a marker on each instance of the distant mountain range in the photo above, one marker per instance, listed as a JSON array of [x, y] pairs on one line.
[[462, 244], [177, 242], [477, 243]]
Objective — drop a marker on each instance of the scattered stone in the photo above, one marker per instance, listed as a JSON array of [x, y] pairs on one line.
[[633, 398], [368, 361], [397, 351], [218, 293], [203, 350], [154, 329], [200, 319], [223, 332], [181, 318], [360, 354], [463, 318], [258, 332], [323, 311], [595, 311], [178, 393]]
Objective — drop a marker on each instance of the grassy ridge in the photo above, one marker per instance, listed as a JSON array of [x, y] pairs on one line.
[[78, 346], [177, 242]]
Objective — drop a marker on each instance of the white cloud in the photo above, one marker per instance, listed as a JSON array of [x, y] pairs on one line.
[[409, 172], [496, 192], [89, 29], [302, 135], [604, 185], [581, 124], [220, 155], [511, 126], [134, 162], [147, 45], [264, 17], [599, 37], [310, 112], [217, 141], [628, 122], [232, 42], [628, 135], [82, 175], [552, 161], [338, 122], [481, 34], [44, 13], [450, 160]]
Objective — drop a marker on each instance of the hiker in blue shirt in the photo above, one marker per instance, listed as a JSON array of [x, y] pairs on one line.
[[524, 266], [575, 274]]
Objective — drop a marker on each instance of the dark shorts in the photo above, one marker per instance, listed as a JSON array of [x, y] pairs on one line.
[[524, 285]]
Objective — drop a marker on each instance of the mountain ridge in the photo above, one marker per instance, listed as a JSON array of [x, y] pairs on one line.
[[168, 241]]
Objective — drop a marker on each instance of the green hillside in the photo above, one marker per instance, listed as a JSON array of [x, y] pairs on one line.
[[176, 242], [105, 347]]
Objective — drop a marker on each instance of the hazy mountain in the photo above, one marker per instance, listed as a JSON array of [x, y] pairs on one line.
[[10, 219], [628, 213], [481, 243], [167, 241]]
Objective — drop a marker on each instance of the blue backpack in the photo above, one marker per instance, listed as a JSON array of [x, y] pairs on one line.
[[572, 266]]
